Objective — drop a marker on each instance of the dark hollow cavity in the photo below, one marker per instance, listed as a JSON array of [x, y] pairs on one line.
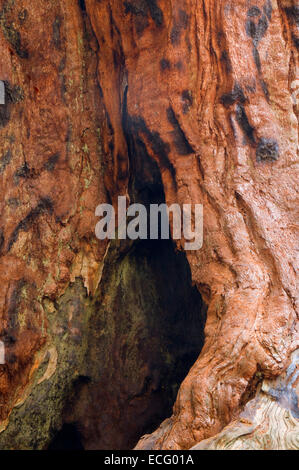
[[68, 438], [145, 328]]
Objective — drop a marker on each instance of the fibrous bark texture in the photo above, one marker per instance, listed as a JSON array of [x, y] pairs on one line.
[[51, 181], [194, 101], [95, 350], [208, 88]]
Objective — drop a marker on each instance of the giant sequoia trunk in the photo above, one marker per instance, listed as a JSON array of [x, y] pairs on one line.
[[194, 101]]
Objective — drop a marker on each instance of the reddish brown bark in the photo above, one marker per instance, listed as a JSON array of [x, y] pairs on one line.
[[206, 85], [50, 174], [205, 88]]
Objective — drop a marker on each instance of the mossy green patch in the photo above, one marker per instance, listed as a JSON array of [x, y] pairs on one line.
[[121, 355]]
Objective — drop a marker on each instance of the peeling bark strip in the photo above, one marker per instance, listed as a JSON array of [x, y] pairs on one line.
[[229, 143], [51, 157]]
